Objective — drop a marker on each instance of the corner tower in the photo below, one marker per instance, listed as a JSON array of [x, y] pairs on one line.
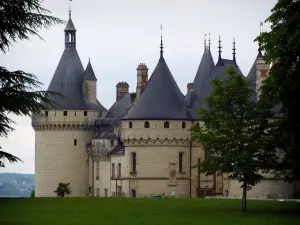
[[64, 130]]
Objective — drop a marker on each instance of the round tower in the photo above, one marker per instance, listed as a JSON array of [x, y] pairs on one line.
[[64, 130]]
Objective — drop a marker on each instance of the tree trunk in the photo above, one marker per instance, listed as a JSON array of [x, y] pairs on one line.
[[244, 198]]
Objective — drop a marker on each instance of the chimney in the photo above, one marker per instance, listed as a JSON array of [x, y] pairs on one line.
[[189, 87], [142, 78], [122, 88]]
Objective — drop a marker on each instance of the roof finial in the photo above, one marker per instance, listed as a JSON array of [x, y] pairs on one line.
[[209, 41], [259, 43], [161, 42], [234, 53], [205, 46], [70, 9], [220, 47]]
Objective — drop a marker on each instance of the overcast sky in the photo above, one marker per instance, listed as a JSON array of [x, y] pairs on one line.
[[119, 34]]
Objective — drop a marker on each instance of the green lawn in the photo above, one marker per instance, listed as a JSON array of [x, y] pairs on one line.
[[110, 211]]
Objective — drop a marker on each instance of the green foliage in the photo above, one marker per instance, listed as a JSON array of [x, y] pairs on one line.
[[282, 87], [236, 132], [19, 20], [6, 156], [145, 211], [63, 189]]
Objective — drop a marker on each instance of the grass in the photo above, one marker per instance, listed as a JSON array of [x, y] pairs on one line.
[[111, 211]]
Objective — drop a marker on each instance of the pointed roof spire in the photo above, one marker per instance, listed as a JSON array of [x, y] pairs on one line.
[[89, 72], [161, 42], [259, 43], [70, 25], [70, 12], [208, 41], [205, 46], [220, 62], [161, 98], [233, 49]]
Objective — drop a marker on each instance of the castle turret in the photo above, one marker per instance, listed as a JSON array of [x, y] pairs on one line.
[[64, 130], [121, 89], [142, 78], [90, 84]]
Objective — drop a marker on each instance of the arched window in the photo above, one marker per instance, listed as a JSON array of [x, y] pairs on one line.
[[130, 124], [183, 125], [147, 124], [166, 124]]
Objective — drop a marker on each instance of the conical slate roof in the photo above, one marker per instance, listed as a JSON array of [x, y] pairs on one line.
[[89, 72], [67, 79], [252, 76], [70, 26], [161, 98], [205, 67], [206, 87]]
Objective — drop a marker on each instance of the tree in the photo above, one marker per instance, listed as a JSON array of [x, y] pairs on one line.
[[19, 19], [235, 133], [282, 87], [63, 189]]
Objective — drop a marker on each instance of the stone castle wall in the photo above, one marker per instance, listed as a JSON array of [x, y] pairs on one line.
[[60, 151]]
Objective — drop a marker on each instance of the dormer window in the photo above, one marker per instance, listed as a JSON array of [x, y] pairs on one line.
[[130, 124], [166, 124], [147, 124], [183, 125]]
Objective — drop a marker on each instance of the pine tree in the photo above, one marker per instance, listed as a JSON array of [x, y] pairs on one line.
[[20, 19]]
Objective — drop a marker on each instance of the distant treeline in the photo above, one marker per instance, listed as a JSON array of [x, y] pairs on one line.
[[16, 185]]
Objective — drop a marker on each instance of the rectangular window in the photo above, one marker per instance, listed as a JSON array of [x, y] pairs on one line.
[[75, 142], [133, 162], [119, 169], [65, 113], [97, 170], [180, 161], [111, 142], [46, 113], [75, 113], [113, 170], [85, 113]]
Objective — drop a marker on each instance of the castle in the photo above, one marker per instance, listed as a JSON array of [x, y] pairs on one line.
[[141, 146]]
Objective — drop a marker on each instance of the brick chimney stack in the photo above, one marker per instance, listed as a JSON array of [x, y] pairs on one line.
[[142, 78], [189, 87], [122, 88]]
